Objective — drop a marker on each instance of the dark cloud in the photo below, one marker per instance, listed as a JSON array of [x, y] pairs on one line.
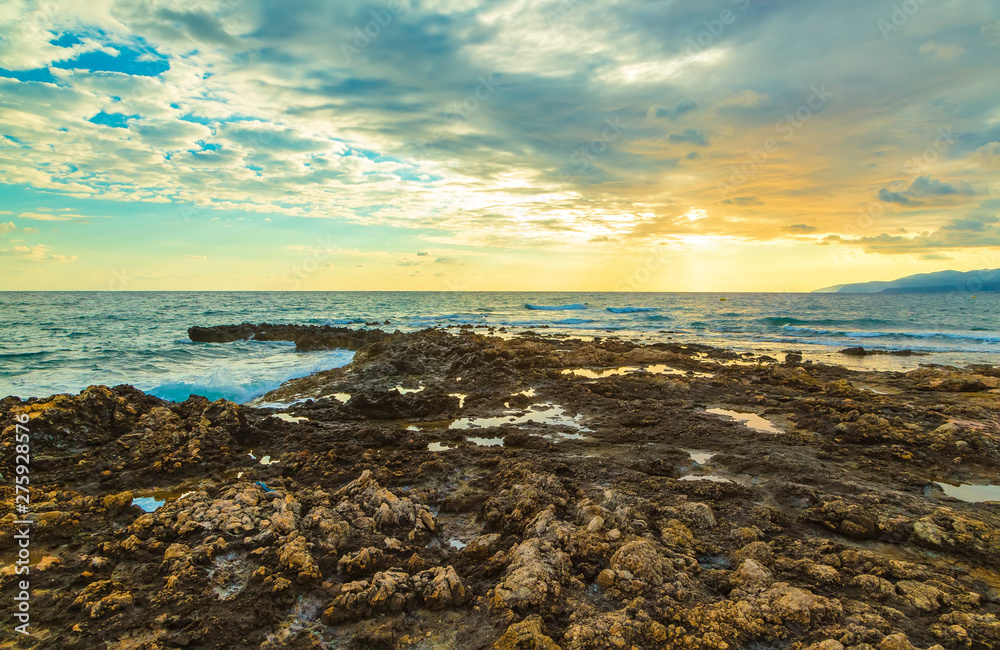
[[693, 136], [974, 224], [683, 107], [924, 187]]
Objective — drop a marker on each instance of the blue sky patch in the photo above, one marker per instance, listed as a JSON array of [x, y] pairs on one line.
[[117, 120]]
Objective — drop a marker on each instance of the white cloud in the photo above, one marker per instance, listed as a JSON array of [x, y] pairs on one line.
[[40, 253], [7, 227], [942, 51]]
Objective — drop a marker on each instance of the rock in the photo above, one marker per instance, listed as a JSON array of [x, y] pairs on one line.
[[759, 551], [699, 515], [794, 605], [483, 546], [294, 556], [920, 596], [103, 597], [829, 644], [363, 561], [177, 551], [529, 634], [875, 586], [533, 579], [751, 574], [676, 535], [639, 567], [440, 588], [393, 591]]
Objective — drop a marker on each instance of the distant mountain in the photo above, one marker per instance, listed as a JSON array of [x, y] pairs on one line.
[[940, 282]]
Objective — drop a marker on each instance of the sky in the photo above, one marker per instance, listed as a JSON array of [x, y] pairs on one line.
[[449, 145]]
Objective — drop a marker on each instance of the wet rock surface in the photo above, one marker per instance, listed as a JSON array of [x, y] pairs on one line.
[[345, 529]]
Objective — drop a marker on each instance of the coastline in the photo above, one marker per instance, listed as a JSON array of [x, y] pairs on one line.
[[618, 509]]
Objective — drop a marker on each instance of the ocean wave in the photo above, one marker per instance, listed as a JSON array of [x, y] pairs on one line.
[[658, 317], [22, 356], [850, 334], [241, 383], [783, 321], [574, 306], [573, 321], [456, 317], [630, 310]]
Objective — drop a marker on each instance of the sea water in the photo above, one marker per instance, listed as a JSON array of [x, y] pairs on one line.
[[52, 342]]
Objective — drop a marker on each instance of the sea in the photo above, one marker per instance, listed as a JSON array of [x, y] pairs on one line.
[[62, 342]]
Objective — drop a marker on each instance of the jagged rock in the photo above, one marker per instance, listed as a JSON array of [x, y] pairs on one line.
[[533, 579], [529, 634], [699, 515]]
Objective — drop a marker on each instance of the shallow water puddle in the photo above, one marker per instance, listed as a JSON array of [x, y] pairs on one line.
[[266, 460], [972, 493], [714, 478], [487, 442], [152, 500], [294, 419], [752, 420], [546, 413], [701, 457], [340, 397], [437, 446], [655, 369], [404, 391], [590, 373], [461, 398], [457, 544]]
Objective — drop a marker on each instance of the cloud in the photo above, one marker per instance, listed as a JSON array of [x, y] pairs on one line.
[[746, 99], [927, 186], [975, 224], [38, 253], [29, 231], [7, 227], [41, 216], [800, 228], [683, 107], [924, 187], [462, 122], [988, 155], [889, 196], [926, 257], [196, 257], [743, 200], [692, 136], [992, 32], [942, 51]]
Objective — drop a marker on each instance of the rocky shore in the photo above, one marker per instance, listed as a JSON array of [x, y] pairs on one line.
[[468, 490]]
